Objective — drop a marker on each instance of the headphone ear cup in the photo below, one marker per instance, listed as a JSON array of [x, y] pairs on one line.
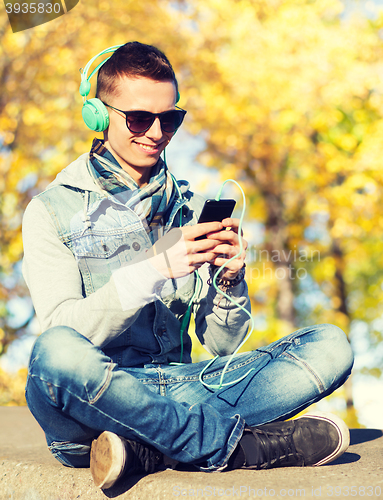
[[95, 115]]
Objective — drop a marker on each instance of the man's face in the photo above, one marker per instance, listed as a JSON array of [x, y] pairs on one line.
[[137, 153]]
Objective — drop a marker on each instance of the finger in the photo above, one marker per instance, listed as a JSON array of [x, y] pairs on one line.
[[202, 246], [201, 229], [224, 259], [230, 222], [226, 251], [233, 224], [232, 267], [197, 260], [230, 237], [227, 236], [231, 256], [224, 235]]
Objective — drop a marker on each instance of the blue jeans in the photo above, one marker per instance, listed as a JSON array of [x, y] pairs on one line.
[[75, 392]]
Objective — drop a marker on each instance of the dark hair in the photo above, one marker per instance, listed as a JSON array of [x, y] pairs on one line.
[[134, 59]]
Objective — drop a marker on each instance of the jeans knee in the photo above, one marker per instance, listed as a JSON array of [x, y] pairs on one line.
[[63, 358], [338, 349], [56, 350]]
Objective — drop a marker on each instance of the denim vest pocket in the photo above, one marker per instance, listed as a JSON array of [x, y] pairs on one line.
[[100, 253]]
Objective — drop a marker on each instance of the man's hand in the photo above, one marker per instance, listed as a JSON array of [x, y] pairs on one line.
[[228, 248], [177, 253]]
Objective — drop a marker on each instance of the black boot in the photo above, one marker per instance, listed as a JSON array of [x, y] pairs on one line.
[[313, 439]]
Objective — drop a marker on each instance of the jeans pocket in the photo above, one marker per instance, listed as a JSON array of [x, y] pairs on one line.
[[71, 454]]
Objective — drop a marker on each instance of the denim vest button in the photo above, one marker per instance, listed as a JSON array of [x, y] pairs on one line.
[[161, 331], [136, 246]]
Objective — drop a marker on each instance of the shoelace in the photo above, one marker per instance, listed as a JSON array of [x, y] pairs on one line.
[[145, 458], [273, 447]]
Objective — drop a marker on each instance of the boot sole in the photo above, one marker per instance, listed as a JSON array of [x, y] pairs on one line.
[[107, 459], [343, 433]]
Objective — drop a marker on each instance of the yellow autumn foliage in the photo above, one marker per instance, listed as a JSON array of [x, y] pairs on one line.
[[12, 388]]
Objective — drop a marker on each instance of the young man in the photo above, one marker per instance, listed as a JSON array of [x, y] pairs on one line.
[[110, 255]]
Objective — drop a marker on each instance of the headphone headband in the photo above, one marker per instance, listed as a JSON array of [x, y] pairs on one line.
[[85, 83]]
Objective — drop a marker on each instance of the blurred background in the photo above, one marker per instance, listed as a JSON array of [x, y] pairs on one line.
[[285, 97]]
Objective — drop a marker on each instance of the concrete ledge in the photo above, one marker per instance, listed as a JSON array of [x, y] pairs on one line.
[[29, 472]]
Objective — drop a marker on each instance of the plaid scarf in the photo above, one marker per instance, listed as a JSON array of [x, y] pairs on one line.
[[151, 202]]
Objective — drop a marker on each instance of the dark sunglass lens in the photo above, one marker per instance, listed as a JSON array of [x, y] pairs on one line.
[[140, 121], [172, 120]]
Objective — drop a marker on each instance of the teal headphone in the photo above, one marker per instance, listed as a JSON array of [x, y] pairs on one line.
[[94, 112]]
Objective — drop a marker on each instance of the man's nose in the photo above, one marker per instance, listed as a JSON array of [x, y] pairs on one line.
[[155, 131]]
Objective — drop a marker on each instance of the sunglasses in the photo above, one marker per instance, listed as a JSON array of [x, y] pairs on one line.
[[141, 121]]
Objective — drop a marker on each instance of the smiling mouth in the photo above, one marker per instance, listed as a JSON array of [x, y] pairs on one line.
[[149, 148]]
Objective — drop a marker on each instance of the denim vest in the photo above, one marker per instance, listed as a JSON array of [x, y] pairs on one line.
[[103, 234]]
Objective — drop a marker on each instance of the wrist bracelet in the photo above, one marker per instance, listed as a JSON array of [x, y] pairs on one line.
[[226, 283]]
